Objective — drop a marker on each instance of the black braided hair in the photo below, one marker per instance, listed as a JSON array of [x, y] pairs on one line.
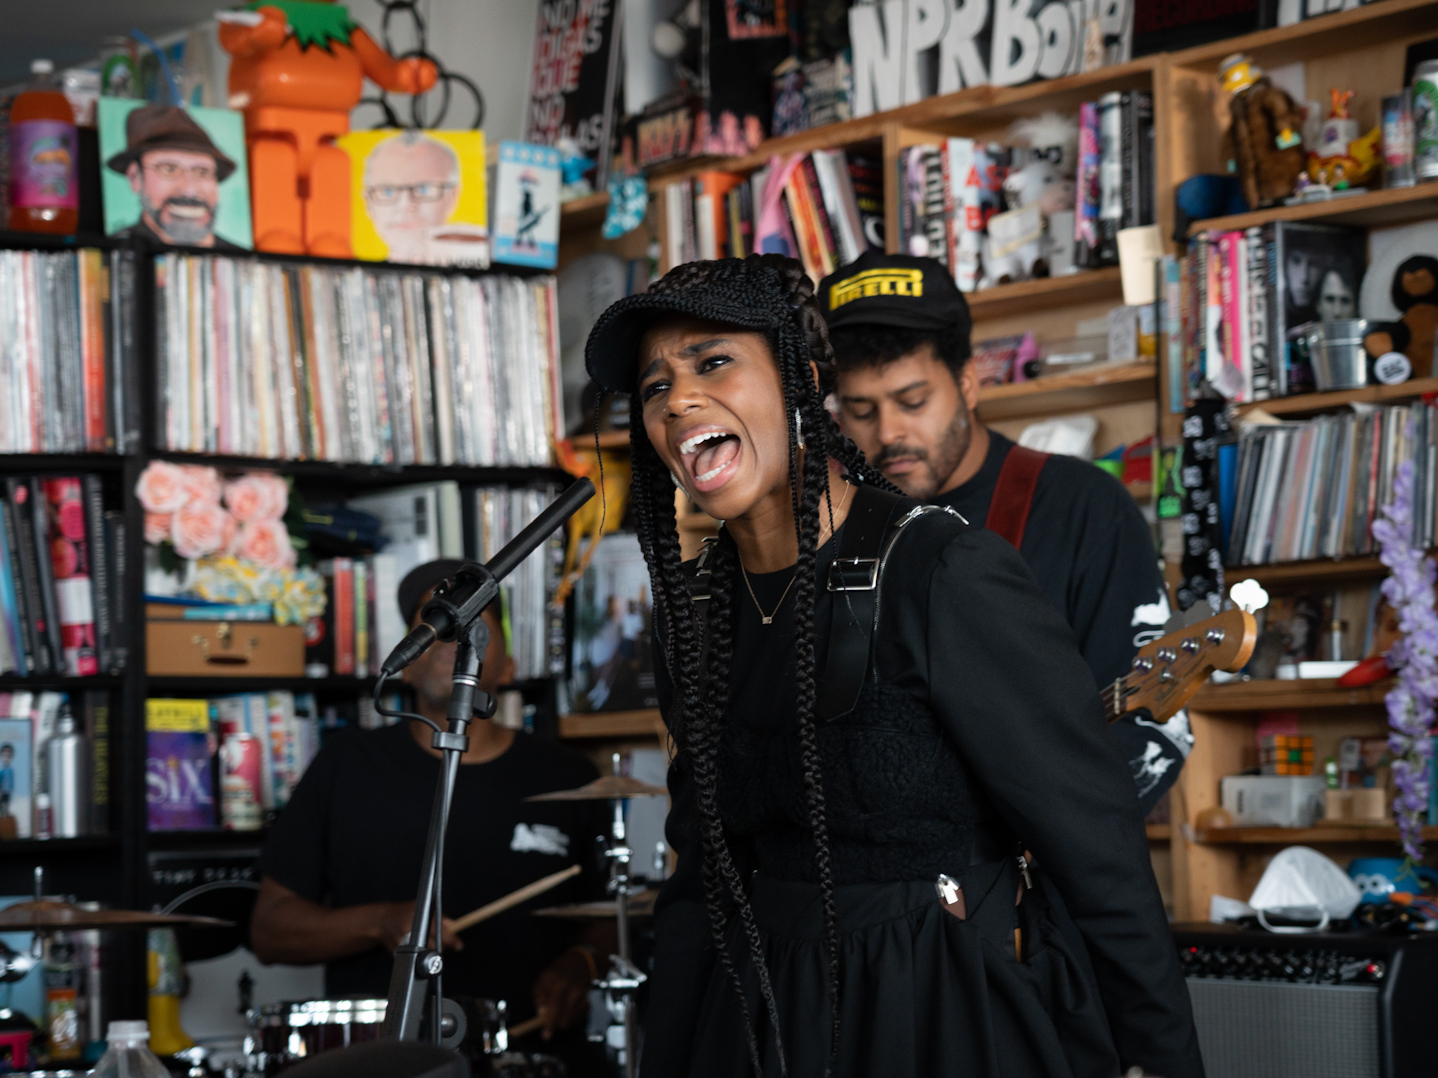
[[799, 342]]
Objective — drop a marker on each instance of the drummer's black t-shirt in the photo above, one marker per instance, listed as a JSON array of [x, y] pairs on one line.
[[354, 832]]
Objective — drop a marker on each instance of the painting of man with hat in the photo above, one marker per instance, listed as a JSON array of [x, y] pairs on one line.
[[169, 182]]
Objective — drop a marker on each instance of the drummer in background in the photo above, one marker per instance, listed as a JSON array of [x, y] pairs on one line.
[[341, 866]]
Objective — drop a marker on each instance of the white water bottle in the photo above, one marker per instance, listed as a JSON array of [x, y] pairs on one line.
[[128, 1054]]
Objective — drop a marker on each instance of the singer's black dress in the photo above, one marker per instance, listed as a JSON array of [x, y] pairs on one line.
[[979, 726]]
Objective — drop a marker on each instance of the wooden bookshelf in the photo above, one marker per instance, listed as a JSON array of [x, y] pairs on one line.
[[1316, 573], [1293, 836], [1092, 387], [1342, 32], [612, 724], [1283, 695], [1304, 404], [1086, 286], [587, 211], [1393, 206]]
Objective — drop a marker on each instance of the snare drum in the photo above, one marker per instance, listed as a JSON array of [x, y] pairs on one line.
[[526, 1065], [283, 1034]]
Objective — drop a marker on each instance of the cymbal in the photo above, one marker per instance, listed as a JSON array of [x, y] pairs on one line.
[[606, 788], [640, 905], [26, 915]]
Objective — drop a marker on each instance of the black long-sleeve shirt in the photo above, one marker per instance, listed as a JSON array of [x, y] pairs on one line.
[[1092, 554], [965, 633]]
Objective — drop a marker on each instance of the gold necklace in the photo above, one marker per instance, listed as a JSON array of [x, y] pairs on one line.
[[768, 619], [848, 489]]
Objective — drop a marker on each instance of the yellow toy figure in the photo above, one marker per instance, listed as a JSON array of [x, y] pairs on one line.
[[1342, 159], [166, 977], [298, 70]]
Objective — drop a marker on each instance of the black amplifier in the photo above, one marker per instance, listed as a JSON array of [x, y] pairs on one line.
[[1313, 1004]]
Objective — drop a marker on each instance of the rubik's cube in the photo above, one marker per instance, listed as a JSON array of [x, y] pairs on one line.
[[1286, 754]]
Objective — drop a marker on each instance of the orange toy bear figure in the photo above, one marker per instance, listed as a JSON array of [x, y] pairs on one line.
[[298, 70]]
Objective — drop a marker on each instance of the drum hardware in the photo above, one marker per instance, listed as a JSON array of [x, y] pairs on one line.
[[623, 978], [283, 1035], [454, 612], [42, 914], [606, 788]]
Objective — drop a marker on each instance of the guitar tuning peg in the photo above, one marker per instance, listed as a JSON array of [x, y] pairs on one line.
[[1249, 595]]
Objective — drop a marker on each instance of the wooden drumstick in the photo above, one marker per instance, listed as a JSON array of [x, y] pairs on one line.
[[514, 898], [526, 1027]]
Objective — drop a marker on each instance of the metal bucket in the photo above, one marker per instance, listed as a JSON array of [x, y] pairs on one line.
[[1336, 351]]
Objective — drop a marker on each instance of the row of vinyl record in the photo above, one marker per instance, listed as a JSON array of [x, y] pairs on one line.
[[62, 563], [1313, 489], [444, 520], [266, 740], [29, 722], [63, 343], [1238, 302], [994, 213], [271, 360], [824, 208]]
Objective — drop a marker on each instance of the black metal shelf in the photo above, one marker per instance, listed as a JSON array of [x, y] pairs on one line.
[[12, 239], [58, 847], [47, 463], [207, 839], [376, 475], [58, 683], [205, 686]]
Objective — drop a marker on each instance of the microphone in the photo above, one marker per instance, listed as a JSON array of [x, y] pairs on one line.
[[463, 597]]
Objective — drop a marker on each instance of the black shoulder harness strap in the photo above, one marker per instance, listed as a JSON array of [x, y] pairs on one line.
[[854, 580]]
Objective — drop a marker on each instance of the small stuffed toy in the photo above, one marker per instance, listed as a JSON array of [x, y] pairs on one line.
[[1265, 140], [1415, 294], [1040, 184]]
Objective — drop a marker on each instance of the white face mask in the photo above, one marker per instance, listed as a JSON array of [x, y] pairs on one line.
[[1301, 884]]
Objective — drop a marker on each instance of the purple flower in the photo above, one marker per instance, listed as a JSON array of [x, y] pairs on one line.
[[1409, 589]]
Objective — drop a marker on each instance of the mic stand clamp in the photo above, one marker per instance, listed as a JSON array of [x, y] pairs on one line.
[[416, 1002]]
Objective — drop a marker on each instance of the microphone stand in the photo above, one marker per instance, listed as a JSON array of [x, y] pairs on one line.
[[415, 988], [455, 612]]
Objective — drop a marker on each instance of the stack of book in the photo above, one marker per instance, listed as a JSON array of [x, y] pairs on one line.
[[1313, 490], [266, 742], [824, 208], [951, 191], [63, 343], [62, 567], [1245, 298], [373, 366]]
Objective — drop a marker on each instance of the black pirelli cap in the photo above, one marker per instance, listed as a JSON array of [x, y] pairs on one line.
[[893, 290]]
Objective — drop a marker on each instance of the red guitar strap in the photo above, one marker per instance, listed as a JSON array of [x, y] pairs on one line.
[[1014, 493]]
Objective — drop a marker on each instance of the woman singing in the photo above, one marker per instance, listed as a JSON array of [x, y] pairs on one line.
[[845, 899]]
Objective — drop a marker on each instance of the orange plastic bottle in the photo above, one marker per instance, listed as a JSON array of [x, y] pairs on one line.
[[44, 182]]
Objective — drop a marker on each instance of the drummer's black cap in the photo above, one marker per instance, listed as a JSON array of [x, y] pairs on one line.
[[419, 580], [903, 291]]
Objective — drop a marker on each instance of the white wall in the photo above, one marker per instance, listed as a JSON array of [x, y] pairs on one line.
[[488, 41]]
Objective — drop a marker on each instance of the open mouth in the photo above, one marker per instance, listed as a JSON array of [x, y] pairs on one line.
[[710, 456]]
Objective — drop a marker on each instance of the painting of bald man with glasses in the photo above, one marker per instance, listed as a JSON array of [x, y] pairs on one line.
[[169, 178], [417, 197]]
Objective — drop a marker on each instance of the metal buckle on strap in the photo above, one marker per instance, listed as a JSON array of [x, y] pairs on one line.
[[854, 574], [702, 572]]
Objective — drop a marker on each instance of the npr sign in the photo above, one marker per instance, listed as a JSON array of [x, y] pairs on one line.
[[907, 50]]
